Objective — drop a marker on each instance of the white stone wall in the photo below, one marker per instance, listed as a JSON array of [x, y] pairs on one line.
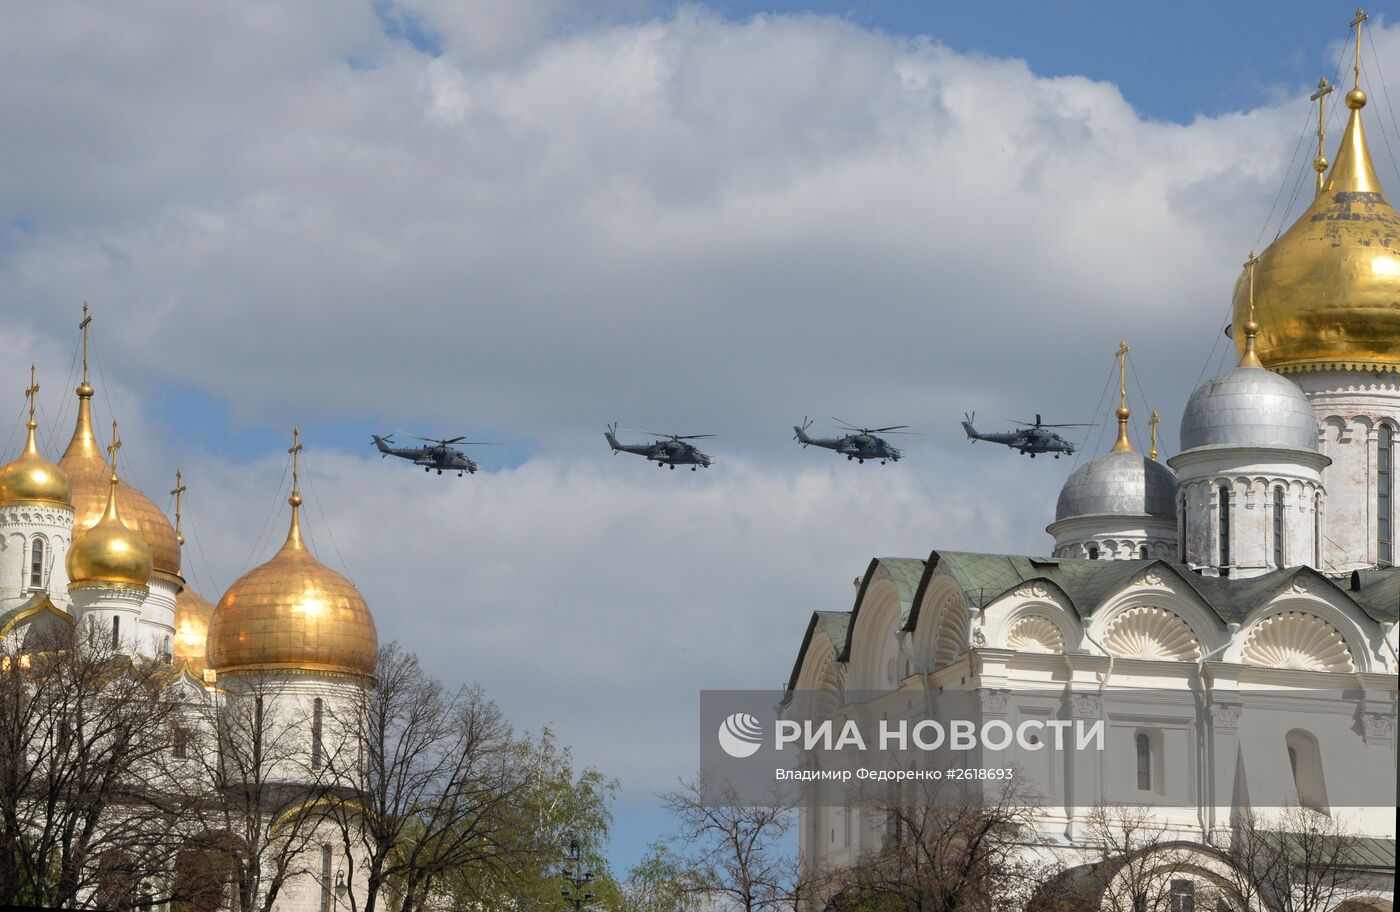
[[157, 621], [20, 524], [1350, 406], [98, 605], [1250, 475], [1115, 537]]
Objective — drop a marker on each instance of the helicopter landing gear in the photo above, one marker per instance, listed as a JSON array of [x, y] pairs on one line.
[[426, 469], [673, 467], [693, 468], [439, 471], [849, 458], [862, 462], [1057, 455], [882, 462], [1032, 455], [459, 474]]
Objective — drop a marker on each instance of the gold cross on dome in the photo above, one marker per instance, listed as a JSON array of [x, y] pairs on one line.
[[1324, 88], [112, 447], [32, 392], [295, 450], [1356, 23], [176, 492], [87, 318], [1250, 264], [1154, 421]]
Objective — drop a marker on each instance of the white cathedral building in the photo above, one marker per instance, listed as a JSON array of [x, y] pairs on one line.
[[1261, 556]]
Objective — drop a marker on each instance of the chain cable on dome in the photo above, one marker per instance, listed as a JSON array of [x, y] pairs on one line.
[[1143, 394], [256, 550], [1385, 94], [330, 532], [1083, 444], [14, 429]]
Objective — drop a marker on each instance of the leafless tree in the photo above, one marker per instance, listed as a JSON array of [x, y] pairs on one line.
[[1138, 863], [87, 815], [260, 790], [731, 853], [937, 857], [1295, 860], [425, 784]]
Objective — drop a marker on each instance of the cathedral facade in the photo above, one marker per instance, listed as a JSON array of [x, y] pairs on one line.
[[291, 638], [1260, 557]]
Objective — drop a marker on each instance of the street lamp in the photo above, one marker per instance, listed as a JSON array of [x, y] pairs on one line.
[[340, 888], [576, 893]]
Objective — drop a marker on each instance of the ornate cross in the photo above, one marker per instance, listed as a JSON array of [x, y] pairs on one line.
[[1122, 355], [32, 393], [1356, 24], [87, 318], [176, 492], [1250, 264], [1155, 420], [112, 447], [1324, 88], [295, 450]]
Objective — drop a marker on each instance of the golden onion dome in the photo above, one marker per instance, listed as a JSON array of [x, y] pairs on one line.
[[293, 612], [33, 479], [1327, 293], [88, 473], [192, 615], [109, 553]]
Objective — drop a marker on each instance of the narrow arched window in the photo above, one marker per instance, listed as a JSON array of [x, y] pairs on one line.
[[1143, 745], [325, 878], [1384, 445], [1183, 530], [1093, 552], [316, 714], [1278, 526], [1224, 530], [1142, 552], [1317, 531], [36, 563], [1305, 762]]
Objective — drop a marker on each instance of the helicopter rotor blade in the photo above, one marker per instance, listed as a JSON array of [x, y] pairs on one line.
[[893, 427]]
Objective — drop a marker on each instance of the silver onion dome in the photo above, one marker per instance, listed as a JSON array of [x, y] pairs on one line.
[[1121, 483], [1249, 406]]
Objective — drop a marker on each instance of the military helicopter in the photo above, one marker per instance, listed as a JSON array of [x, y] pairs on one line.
[[439, 454], [860, 444], [1029, 439], [667, 450]]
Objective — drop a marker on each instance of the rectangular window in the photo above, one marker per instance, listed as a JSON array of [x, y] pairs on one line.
[[1183, 896], [1143, 744], [1278, 527], [316, 711], [1224, 530], [116, 632], [182, 743]]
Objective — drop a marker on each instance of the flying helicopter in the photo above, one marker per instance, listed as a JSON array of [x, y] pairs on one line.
[[1028, 439], [860, 444], [439, 453], [667, 450]]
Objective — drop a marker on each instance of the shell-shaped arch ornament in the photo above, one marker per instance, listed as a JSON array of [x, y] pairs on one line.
[[1297, 640], [1149, 632], [1035, 633]]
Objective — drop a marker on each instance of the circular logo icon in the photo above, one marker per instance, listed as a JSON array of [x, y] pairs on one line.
[[740, 735]]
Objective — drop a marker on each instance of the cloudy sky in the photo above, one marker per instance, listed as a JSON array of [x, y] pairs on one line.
[[523, 220]]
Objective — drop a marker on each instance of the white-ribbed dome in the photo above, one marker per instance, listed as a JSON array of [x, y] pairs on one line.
[[1249, 406], [1122, 483]]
